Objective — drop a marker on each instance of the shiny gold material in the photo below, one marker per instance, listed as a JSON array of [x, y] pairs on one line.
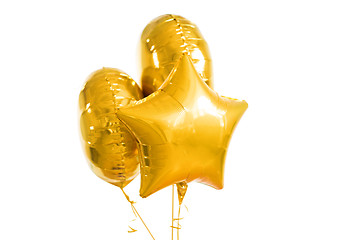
[[184, 129], [162, 43], [181, 189], [110, 148]]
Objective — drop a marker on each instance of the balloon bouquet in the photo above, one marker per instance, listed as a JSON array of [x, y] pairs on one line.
[[175, 130]]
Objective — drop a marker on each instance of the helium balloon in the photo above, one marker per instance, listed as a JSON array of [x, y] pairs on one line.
[[111, 149], [184, 130], [162, 43]]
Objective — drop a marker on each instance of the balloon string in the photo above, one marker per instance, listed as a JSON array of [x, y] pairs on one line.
[[136, 212], [172, 210], [178, 225]]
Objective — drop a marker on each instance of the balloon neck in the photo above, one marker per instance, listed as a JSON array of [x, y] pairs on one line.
[[182, 189]]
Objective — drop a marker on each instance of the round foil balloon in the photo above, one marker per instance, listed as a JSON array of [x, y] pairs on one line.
[[163, 41], [184, 130], [110, 148]]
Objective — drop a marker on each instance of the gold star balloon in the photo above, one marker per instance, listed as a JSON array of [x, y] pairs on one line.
[[183, 130], [110, 148], [162, 43]]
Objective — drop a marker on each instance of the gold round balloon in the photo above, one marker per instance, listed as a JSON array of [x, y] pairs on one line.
[[162, 43], [110, 148], [184, 130]]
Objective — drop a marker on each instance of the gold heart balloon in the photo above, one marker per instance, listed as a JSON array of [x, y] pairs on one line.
[[161, 45], [183, 130], [110, 147]]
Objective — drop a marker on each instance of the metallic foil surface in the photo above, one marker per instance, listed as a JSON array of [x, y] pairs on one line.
[[184, 130], [111, 149], [162, 43]]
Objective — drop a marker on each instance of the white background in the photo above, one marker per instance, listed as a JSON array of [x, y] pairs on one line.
[[282, 168]]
